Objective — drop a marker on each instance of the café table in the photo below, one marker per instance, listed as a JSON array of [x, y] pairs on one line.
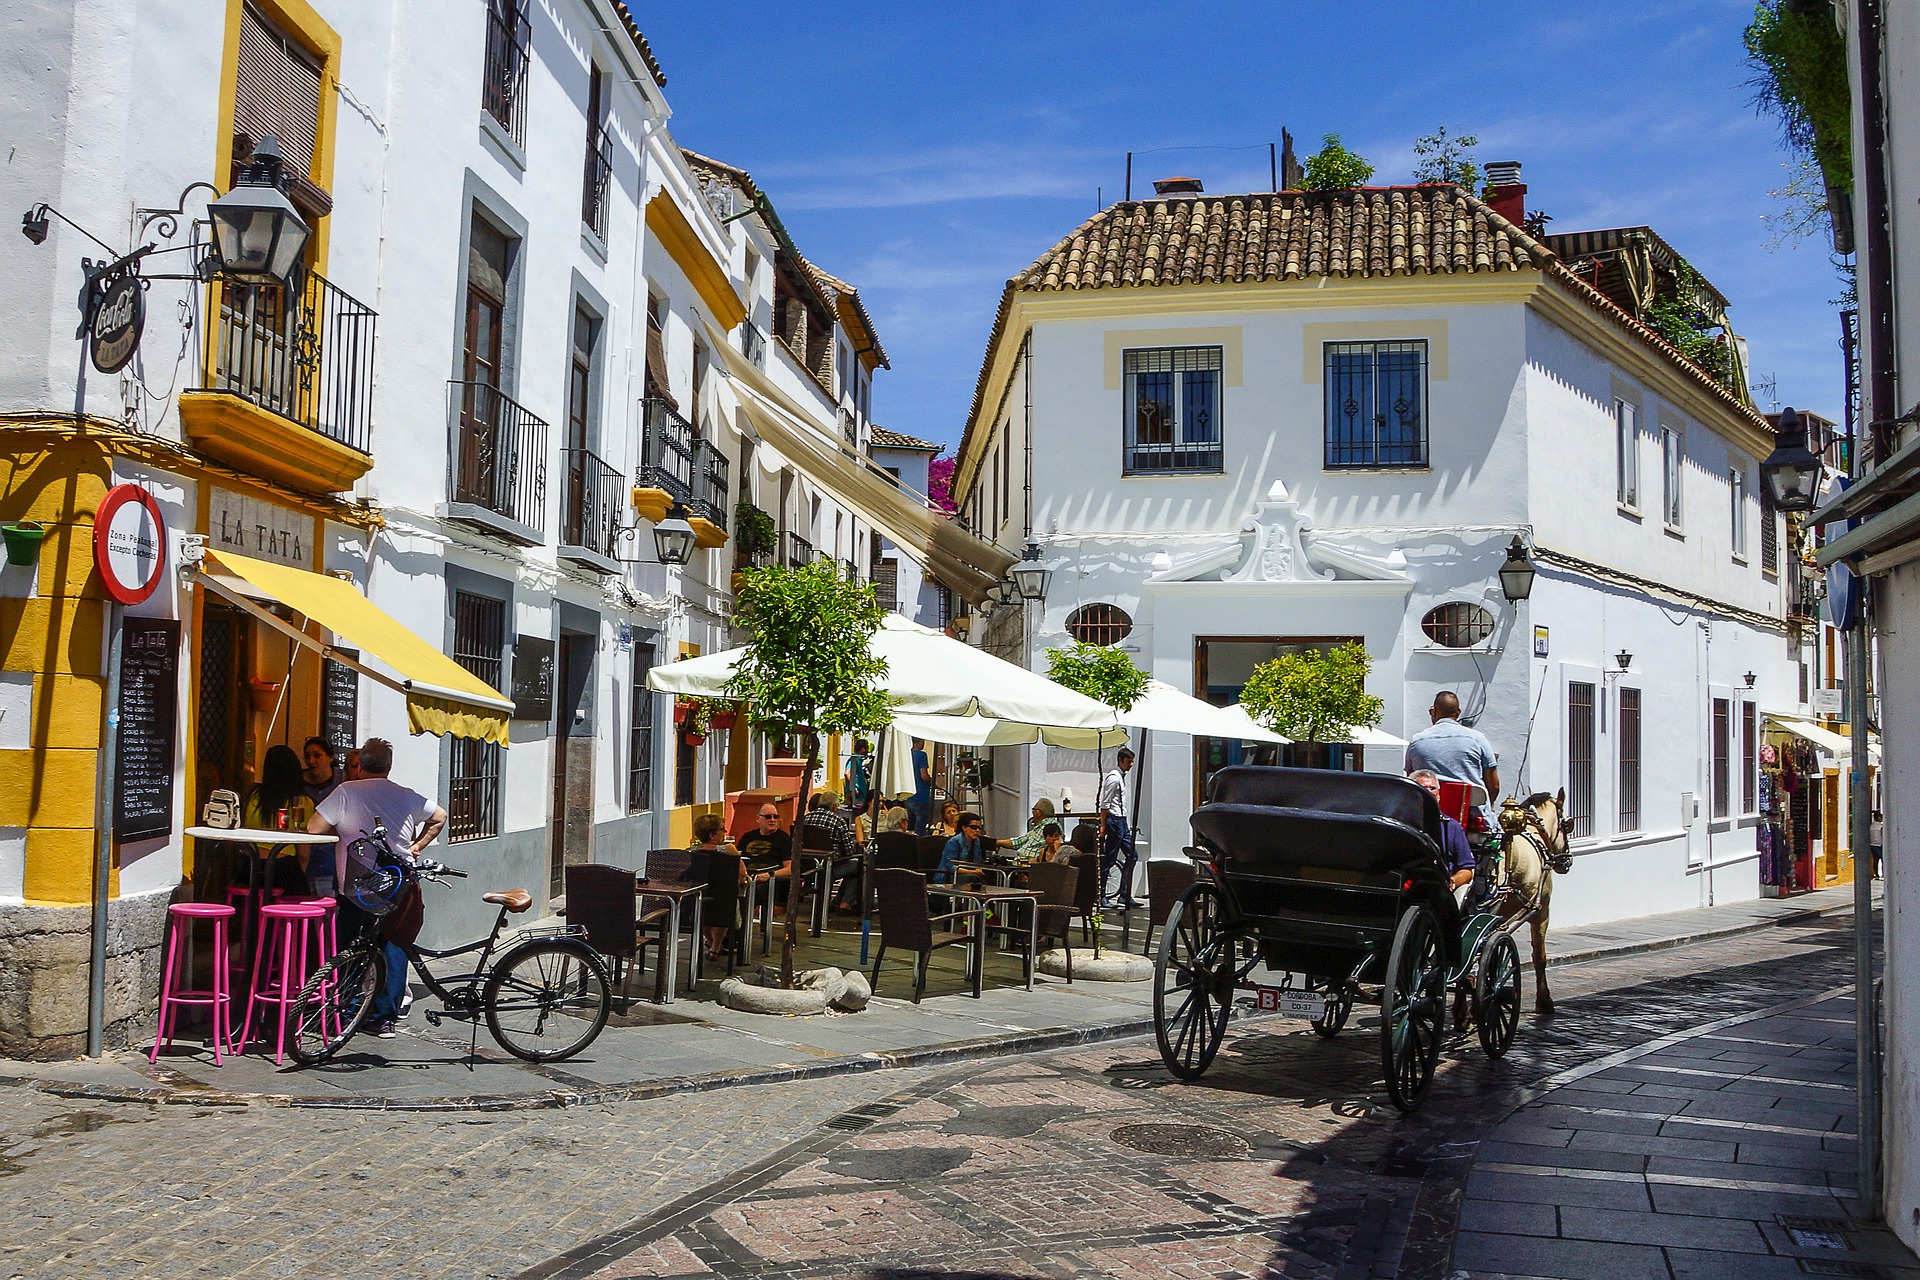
[[260, 845], [821, 870], [985, 898], [676, 892]]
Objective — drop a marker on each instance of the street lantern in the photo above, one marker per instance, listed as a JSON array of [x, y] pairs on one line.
[[1625, 659], [258, 236], [673, 539], [1516, 575], [1791, 472], [1031, 576]]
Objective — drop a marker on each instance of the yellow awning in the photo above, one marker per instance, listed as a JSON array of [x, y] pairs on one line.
[[443, 697]]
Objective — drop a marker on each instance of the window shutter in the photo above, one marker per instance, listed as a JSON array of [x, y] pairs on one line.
[[657, 383], [277, 92]]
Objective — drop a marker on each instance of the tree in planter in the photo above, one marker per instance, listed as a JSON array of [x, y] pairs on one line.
[[1108, 675], [1315, 697], [808, 668], [754, 534]]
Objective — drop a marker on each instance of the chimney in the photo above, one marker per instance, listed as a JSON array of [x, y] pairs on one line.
[[1506, 194], [1176, 186]]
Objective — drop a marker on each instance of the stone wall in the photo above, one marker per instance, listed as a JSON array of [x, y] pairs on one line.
[[44, 955]]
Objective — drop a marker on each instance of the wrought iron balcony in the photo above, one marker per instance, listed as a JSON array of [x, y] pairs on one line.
[[499, 455], [795, 551], [710, 468], [850, 429], [597, 195], [305, 354], [503, 82], [753, 344], [666, 451], [596, 495]]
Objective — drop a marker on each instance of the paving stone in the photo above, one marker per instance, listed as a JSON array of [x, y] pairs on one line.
[[1507, 1217], [1548, 1189], [1683, 1230], [1571, 1259]]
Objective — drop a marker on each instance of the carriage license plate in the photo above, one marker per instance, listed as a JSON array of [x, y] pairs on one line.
[[1311, 1005]]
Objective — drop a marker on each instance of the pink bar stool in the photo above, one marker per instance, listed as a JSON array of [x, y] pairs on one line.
[[281, 969], [175, 985], [326, 937]]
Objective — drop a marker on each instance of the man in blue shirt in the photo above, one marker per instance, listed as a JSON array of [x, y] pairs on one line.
[[1453, 751], [921, 804]]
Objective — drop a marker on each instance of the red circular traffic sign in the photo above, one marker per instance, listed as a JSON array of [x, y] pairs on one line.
[[129, 543]]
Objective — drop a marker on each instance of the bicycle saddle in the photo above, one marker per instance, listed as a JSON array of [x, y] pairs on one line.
[[514, 900]]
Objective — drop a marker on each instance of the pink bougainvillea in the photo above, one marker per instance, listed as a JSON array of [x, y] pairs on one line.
[[940, 484]]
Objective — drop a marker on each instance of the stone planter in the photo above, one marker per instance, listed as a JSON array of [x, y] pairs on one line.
[[1113, 965], [814, 991]]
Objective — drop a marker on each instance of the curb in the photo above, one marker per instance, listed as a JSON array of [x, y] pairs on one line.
[[1703, 935]]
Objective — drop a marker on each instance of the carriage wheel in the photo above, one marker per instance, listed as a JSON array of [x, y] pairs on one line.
[[1193, 982], [1339, 1005], [1413, 1014], [1496, 994]]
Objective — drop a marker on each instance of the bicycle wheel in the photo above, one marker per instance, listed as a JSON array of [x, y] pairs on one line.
[[547, 999], [334, 1002]]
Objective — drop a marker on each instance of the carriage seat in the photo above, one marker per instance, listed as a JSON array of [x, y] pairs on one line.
[[514, 900], [1330, 791], [1280, 840]]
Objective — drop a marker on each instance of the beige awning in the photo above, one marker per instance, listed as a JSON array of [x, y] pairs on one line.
[[962, 561]]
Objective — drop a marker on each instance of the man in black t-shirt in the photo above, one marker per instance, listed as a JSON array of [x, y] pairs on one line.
[[766, 847]]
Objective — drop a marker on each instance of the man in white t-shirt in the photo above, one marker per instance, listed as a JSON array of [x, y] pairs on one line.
[[412, 821]]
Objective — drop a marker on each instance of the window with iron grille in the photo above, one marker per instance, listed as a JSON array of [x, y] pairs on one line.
[[1172, 410], [1099, 624], [1376, 404], [640, 734], [1749, 758], [1580, 757], [1722, 757], [1458, 624], [473, 785], [1629, 732], [503, 84], [1769, 532], [597, 188]]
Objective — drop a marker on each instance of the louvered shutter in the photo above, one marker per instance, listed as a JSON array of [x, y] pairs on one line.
[[277, 91]]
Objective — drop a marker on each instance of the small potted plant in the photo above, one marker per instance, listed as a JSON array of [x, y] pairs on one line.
[[724, 717], [23, 539]]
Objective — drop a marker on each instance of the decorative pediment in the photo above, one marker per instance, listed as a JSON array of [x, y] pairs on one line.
[[1274, 545]]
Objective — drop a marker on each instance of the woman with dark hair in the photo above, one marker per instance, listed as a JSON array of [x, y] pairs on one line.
[[281, 789]]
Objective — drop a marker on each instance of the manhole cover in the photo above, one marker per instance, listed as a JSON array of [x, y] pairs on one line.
[[1809, 1239], [1192, 1141], [1862, 1270]]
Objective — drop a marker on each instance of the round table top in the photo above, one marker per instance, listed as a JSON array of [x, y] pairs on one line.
[[253, 835]]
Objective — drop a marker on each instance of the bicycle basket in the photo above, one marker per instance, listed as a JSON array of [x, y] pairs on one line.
[[377, 892]]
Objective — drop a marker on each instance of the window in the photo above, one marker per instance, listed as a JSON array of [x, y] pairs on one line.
[[1173, 410], [1672, 452], [1580, 757], [1769, 533], [1722, 753], [503, 83], [1629, 733], [1626, 431], [599, 168], [1099, 624], [473, 789], [1376, 404], [276, 94], [1459, 624], [1749, 758], [640, 734], [1737, 504]]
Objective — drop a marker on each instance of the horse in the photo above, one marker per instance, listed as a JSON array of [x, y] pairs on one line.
[[1536, 847]]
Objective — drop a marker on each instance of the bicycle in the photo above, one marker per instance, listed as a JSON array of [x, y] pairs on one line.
[[545, 999]]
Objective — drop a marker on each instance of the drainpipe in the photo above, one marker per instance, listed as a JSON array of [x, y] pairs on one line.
[[103, 840]]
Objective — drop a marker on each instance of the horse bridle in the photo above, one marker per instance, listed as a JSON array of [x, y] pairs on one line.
[[1556, 850]]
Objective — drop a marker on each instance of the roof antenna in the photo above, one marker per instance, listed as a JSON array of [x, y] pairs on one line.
[[1129, 194]]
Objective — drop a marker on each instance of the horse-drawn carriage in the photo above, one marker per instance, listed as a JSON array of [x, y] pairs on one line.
[[1334, 882]]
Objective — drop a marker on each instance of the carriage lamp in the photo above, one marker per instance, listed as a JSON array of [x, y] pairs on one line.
[[1750, 677], [258, 236], [1791, 472], [1516, 575], [1032, 577], [1625, 659], [673, 538]]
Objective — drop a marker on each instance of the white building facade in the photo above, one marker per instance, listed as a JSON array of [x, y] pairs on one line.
[[1246, 425]]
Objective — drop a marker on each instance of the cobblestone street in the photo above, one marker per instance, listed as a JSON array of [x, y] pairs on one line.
[[1285, 1160]]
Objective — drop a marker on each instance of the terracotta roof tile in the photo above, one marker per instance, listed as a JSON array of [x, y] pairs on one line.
[[640, 43], [885, 439]]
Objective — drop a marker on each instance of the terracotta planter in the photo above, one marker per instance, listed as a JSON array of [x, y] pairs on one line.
[[682, 712], [695, 739], [263, 694], [725, 720]]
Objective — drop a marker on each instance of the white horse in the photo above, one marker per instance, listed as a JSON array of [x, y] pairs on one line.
[[1536, 847]]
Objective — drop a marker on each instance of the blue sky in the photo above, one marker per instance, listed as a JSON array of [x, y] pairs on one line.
[[928, 152]]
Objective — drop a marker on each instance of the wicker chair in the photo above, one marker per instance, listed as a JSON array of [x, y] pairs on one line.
[[600, 899], [1057, 883], [1086, 893], [931, 847], [726, 899], [906, 923], [1166, 881], [896, 849]]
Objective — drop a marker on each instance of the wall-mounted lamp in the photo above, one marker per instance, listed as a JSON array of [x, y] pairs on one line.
[[1031, 576], [1750, 678], [673, 538], [1516, 575], [1624, 658], [1791, 471]]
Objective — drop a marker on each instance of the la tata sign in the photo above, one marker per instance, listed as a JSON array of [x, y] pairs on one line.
[[129, 543]]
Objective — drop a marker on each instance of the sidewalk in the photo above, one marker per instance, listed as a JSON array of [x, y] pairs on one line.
[[1723, 1152], [695, 1045]]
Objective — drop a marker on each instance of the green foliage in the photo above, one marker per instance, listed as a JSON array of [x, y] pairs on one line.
[[1318, 696], [1446, 157], [754, 534], [1801, 65], [1334, 168], [1101, 672], [808, 661], [1677, 317]]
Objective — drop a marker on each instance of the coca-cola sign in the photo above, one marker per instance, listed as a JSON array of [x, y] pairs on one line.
[[119, 316]]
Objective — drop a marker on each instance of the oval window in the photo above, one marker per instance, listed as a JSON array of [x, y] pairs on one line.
[[1458, 624], [1099, 624]]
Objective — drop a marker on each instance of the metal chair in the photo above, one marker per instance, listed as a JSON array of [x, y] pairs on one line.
[[906, 923], [1057, 883], [600, 899], [1086, 893]]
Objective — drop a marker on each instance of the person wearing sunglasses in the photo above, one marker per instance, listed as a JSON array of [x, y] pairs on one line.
[[965, 846], [767, 847]]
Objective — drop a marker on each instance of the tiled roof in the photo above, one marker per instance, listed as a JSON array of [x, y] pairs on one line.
[[640, 43], [733, 173], [885, 439], [1269, 237], [835, 285]]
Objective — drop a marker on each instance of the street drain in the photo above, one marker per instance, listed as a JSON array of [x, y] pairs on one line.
[[850, 1123], [1189, 1141], [1864, 1270]]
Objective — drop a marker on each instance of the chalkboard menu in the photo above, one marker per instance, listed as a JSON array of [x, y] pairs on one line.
[[340, 704], [149, 703], [532, 678]]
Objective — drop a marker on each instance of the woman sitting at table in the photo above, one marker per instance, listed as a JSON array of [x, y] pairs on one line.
[[949, 824], [1053, 848], [962, 848], [281, 789], [709, 837]]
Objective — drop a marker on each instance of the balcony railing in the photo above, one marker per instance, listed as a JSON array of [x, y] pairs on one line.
[[666, 451], [598, 193], [886, 585], [305, 354], [710, 469], [500, 454], [753, 344], [850, 429], [596, 493], [503, 84], [795, 551]]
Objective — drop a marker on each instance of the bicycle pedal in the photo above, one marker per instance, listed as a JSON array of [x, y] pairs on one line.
[[433, 1017]]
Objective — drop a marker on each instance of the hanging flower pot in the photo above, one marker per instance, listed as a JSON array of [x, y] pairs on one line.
[[725, 719], [695, 739], [23, 541], [683, 711], [264, 695]]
